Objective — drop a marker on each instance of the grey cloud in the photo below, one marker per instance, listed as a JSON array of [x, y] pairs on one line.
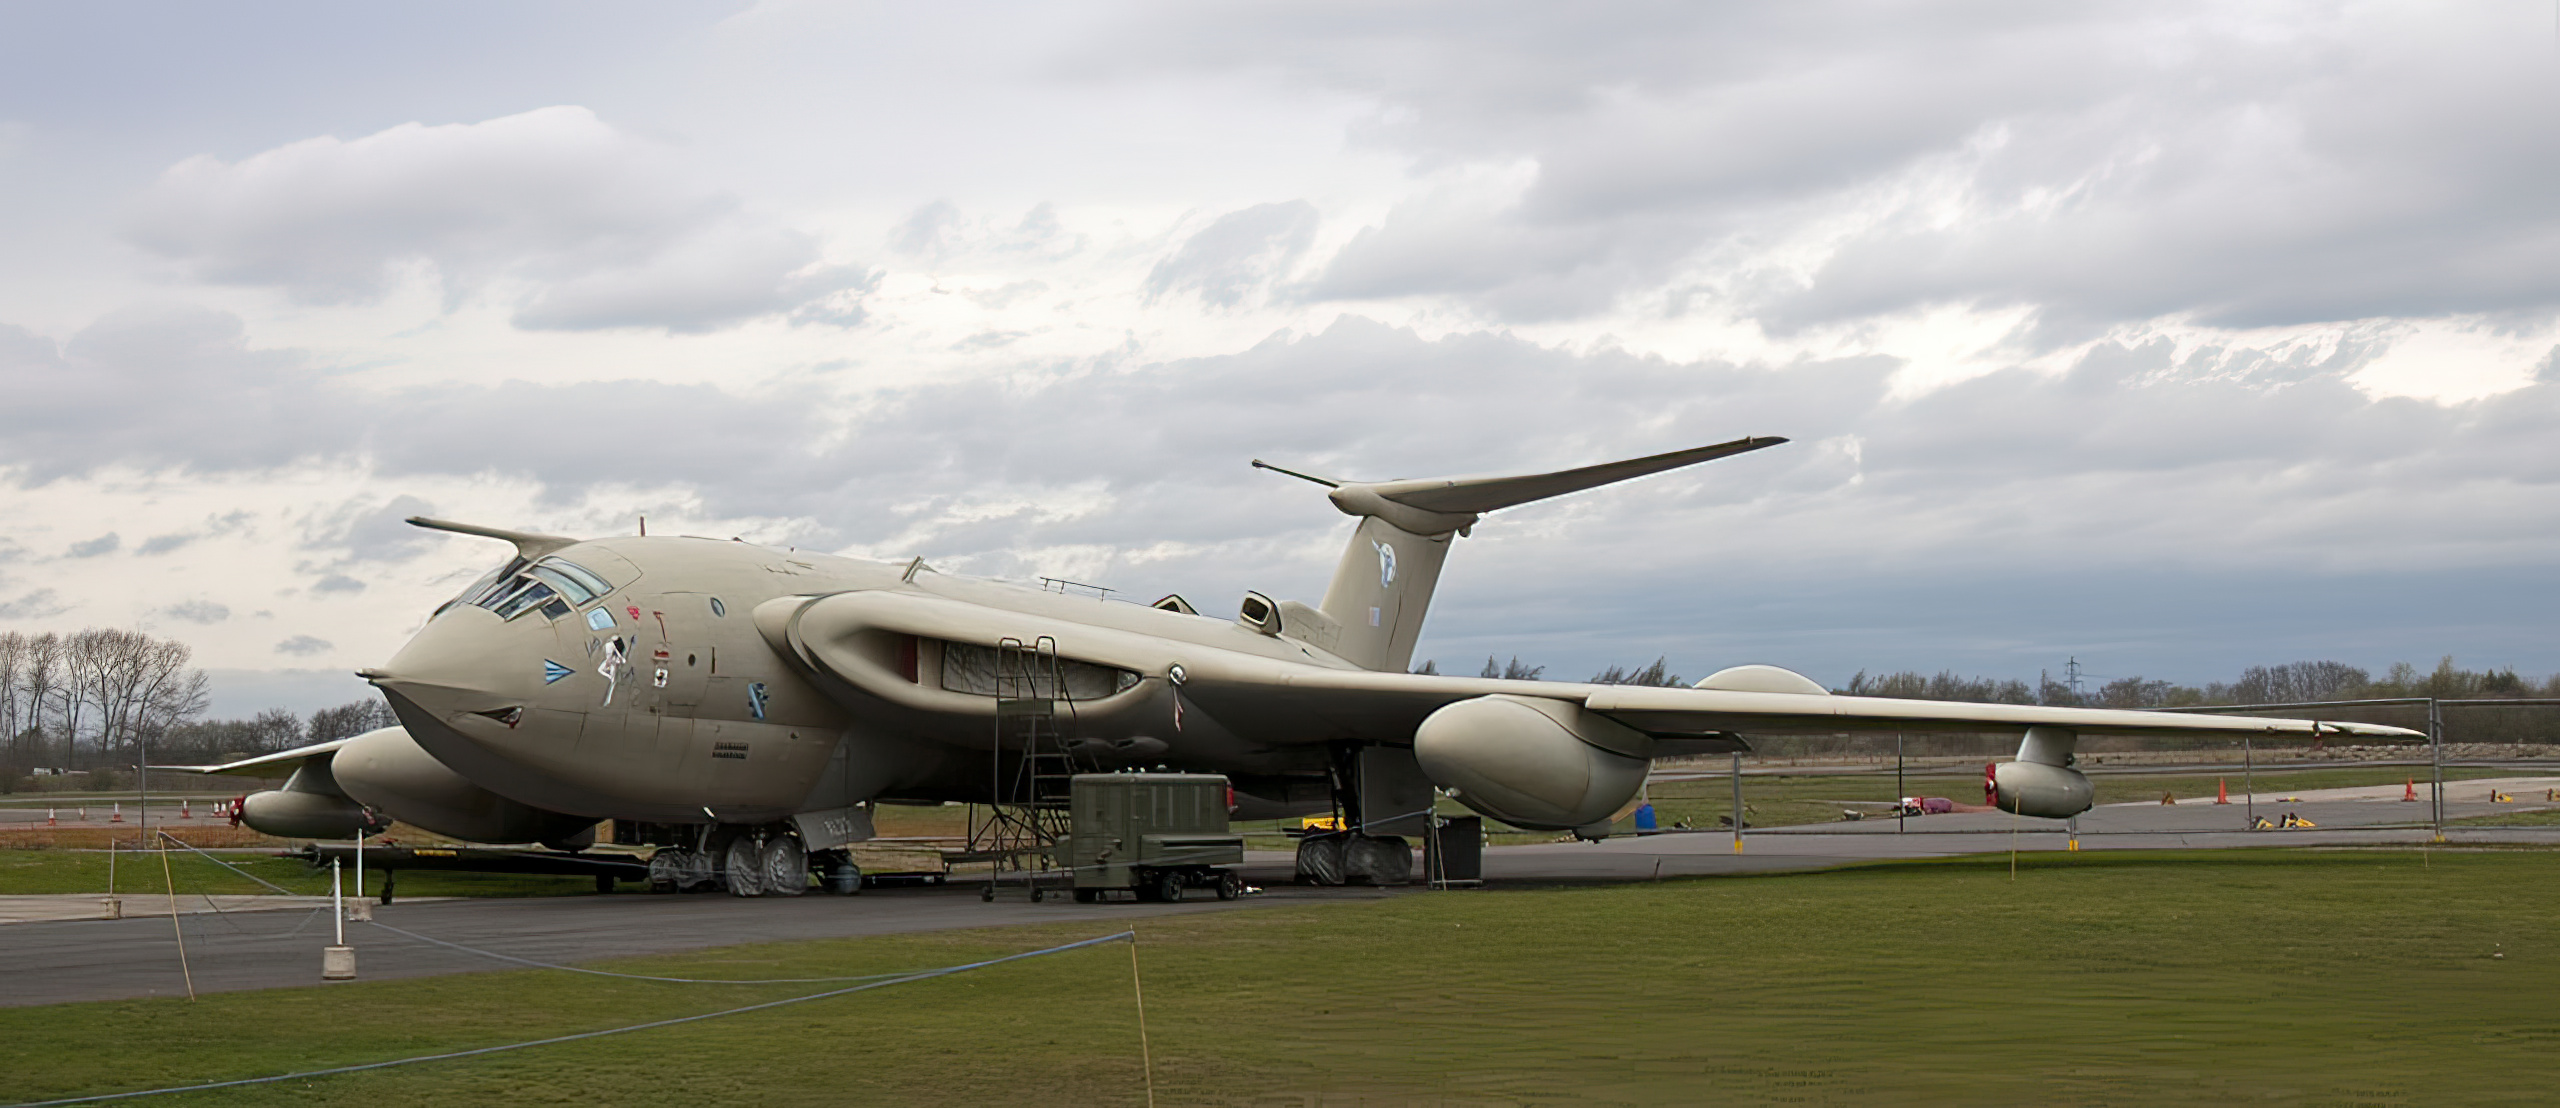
[[199, 611], [1238, 255], [2099, 163], [1007, 295], [370, 531], [107, 543], [706, 284], [304, 645], [34, 605], [2142, 462], [608, 230], [929, 232], [336, 583], [162, 544], [178, 388]]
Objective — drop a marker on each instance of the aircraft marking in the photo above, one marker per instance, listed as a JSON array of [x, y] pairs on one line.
[[1386, 566], [755, 699], [553, 671]]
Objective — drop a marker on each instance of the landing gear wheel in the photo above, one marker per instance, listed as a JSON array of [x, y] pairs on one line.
[[1169, 887], [988, 894], [786, 867], [843, 876], [667, 869], [742, 867], [1320, 860], [1037, 892], [1230, 885]]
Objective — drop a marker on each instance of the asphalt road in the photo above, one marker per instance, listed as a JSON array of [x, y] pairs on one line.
[[53, 963], [57, 962]]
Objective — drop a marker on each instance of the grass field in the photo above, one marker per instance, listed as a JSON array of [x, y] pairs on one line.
[[2291, 977], [24, 872]]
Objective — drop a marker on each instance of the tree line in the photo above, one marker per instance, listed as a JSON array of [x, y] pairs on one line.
[[99, 699]]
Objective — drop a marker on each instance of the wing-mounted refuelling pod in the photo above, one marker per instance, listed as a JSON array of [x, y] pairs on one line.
[[2041, 781], [362, 783]]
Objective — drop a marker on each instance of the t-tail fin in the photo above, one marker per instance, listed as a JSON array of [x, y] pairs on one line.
[[1382, 587]]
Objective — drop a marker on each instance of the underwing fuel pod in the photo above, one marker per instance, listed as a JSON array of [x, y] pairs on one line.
[[741, 709]]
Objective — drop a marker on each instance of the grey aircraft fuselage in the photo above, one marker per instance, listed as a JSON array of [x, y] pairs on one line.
[[663, 701]]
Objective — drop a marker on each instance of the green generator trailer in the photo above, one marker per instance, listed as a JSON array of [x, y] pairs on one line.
[[1152, 834]]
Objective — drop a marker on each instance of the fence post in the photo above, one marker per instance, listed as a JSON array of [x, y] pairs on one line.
[[1737, 802], [2249, 781], [2435, 749], [1898, 819]]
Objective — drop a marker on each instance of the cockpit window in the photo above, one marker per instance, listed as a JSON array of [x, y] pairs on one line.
[[552, 586], [479, 590]]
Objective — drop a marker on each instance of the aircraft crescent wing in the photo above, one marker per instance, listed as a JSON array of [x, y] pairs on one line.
[[1399, 701], [268, 765]]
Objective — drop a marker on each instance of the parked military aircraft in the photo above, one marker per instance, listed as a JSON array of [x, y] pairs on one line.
[[742, 707]]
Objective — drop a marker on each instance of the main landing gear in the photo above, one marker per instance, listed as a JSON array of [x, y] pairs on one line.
[[765, 860]]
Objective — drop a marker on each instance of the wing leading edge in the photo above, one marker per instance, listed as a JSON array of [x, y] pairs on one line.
[[1398, 701]]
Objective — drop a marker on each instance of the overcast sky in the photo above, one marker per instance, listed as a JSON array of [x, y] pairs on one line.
[[2173, 337]]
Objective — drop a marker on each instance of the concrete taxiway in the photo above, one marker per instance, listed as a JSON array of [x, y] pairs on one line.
[[230, 949]]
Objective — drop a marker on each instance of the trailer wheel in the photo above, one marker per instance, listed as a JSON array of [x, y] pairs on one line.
[[1230, 885], [1169, 886]]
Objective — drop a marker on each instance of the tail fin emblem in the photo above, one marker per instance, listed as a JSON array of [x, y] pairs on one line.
[[1386, 565]]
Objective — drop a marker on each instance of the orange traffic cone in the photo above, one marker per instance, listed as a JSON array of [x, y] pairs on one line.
[[182, 811], [118, 815], [2221, 791], [2411, 792], [48, 817]]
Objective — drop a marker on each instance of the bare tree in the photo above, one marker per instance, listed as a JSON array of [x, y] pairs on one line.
[[1658, 675], [352, 718], [1515, 671]]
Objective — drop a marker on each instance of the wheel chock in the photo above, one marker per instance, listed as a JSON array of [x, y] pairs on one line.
[[2496, 797], [2260, 824]]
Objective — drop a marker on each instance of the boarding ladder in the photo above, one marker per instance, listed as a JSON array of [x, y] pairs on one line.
[[1022, 828]]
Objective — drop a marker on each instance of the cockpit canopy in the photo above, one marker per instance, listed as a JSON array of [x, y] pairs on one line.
[[551, 585]]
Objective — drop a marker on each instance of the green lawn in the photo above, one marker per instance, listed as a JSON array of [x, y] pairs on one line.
[[2350, 977], [139, 874]]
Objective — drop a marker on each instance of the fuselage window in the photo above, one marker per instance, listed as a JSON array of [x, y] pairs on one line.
[[488, 583], [553, 586], [595, 585], [532, 594], [718, 608], [568, 587]]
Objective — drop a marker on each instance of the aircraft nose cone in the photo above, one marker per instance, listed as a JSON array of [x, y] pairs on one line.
[[462, 661]]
